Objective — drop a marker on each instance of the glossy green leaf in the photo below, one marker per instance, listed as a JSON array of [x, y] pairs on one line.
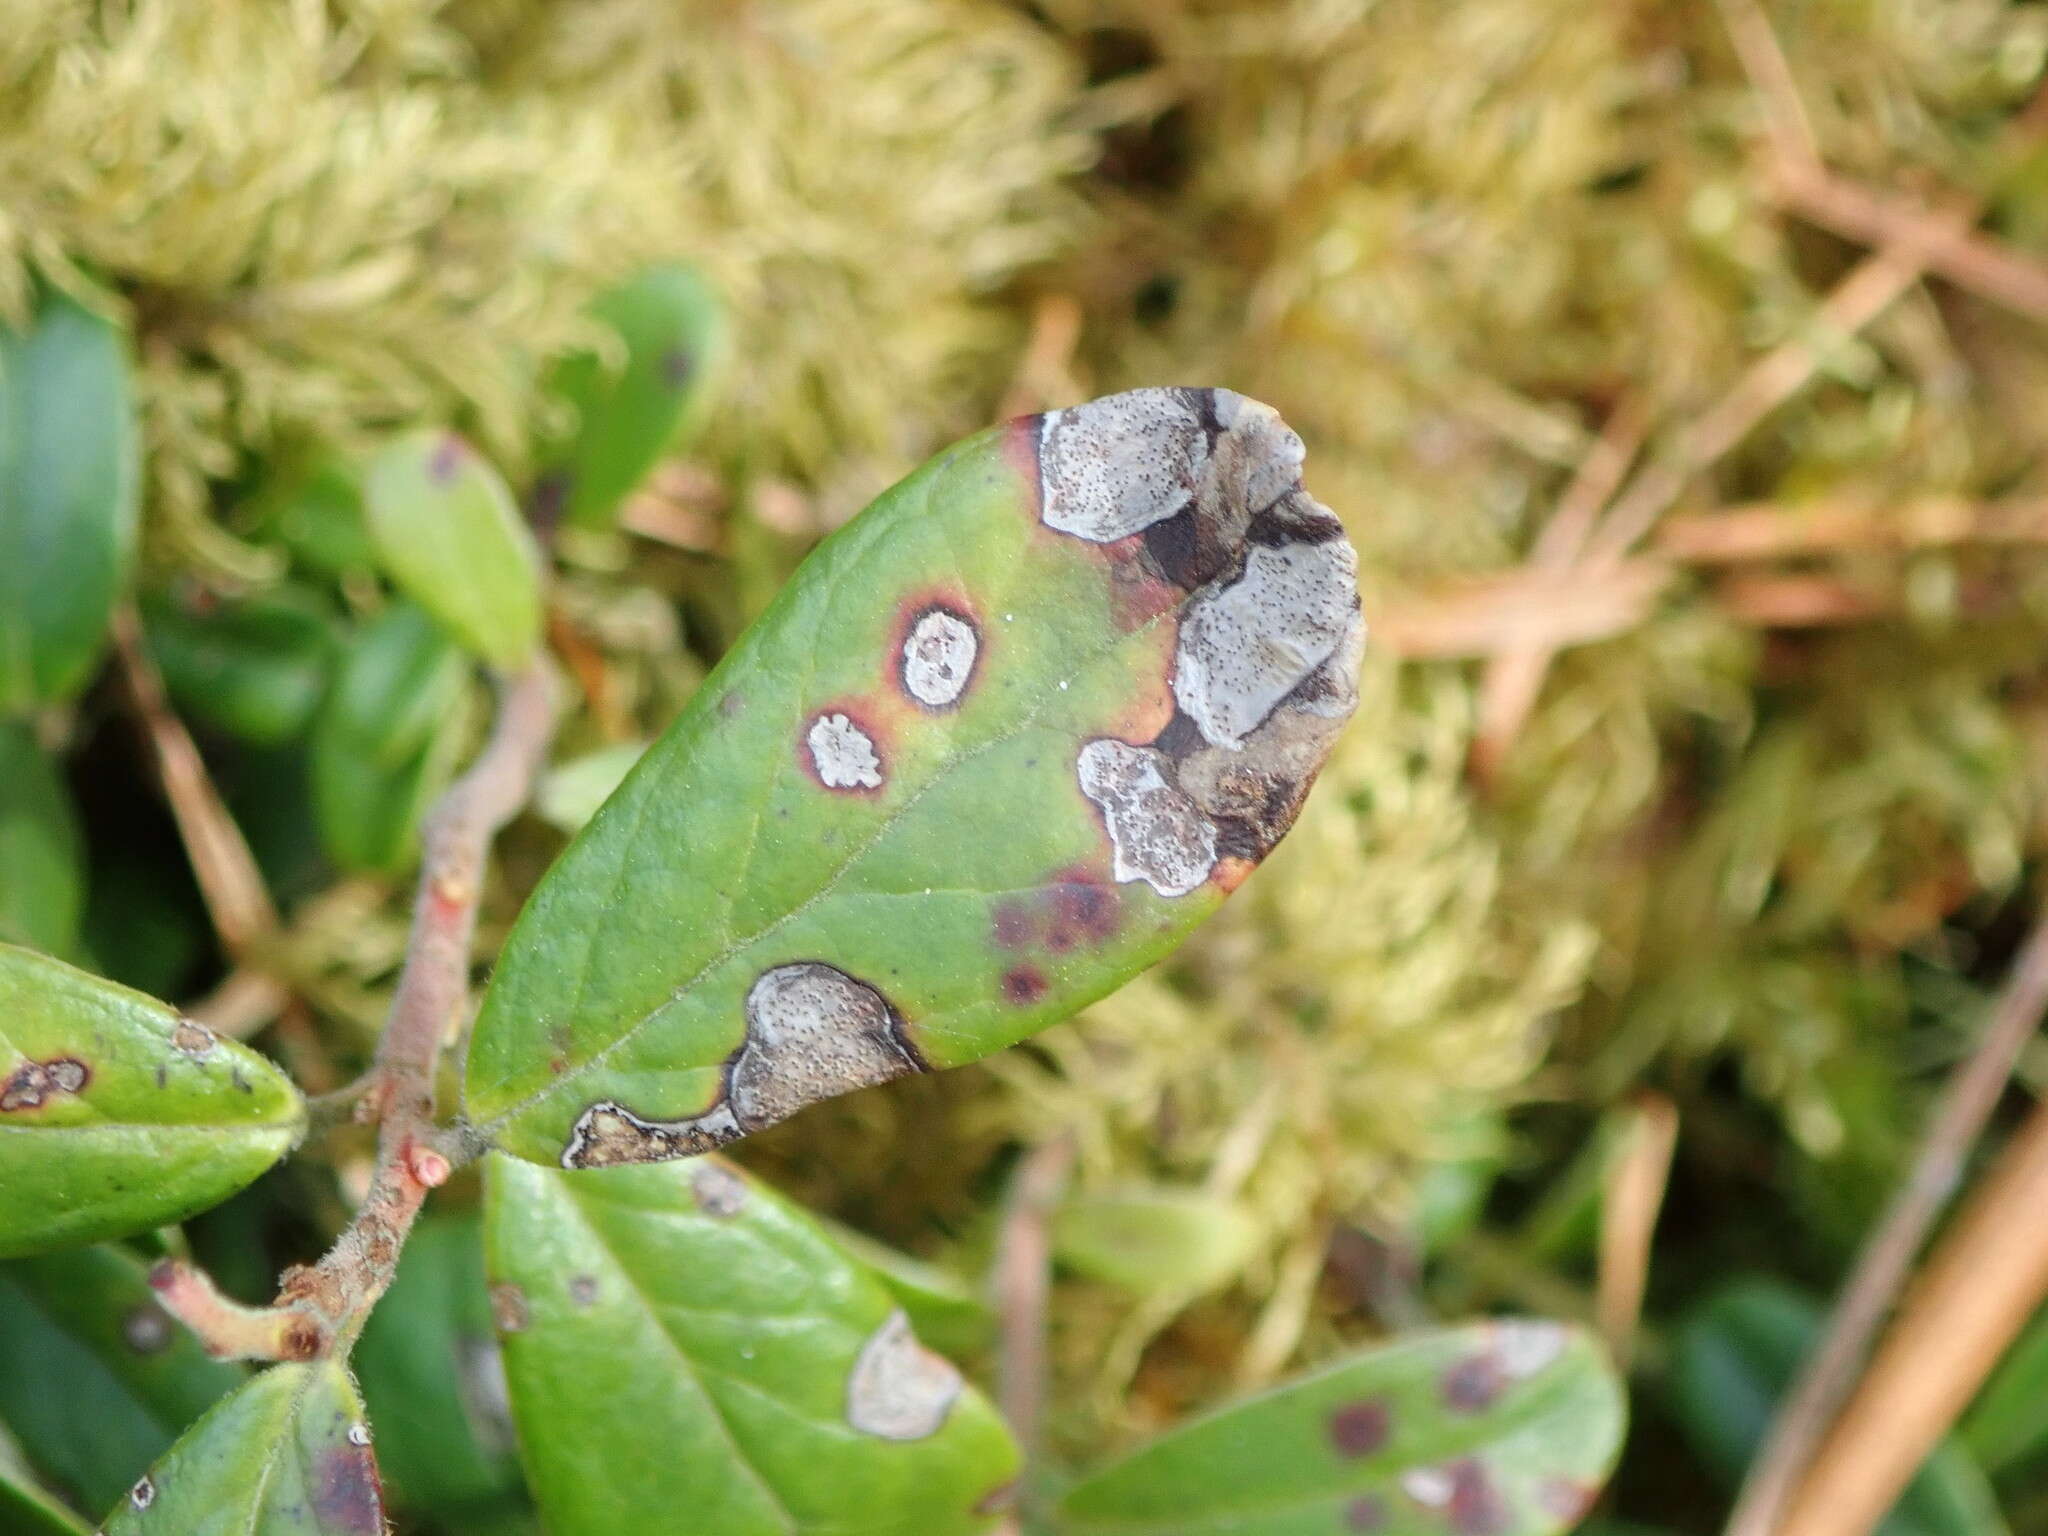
[[256, 666], [447, 531], [429, 1369], [27, 1511], [315, 511], [570, 793], [646, 398], [1155, 1241], [1737, 1352], [68, 498], [2008, 1423], [99, 1380], [381, 745], [1507, 1427], [947, 1312], [115, 1114], [991, 752], [678, 1338], [287, 1455], [42, 854]]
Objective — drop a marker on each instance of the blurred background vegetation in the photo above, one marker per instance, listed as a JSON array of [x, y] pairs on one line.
[[1751, 865]]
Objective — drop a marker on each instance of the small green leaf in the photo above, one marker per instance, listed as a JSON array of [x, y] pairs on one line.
[[1507, 1427], [286, 1455], [115, 1114], [68, 498], [570, 793], [428, 1364], [631, 408], [26, 1511], [42, 854], [1155, 1241], [316, 512], [99, 1379], [381, 746], [677, 1338], [448, 533], [2008, 1423], [1735, 1355], [945, 1311], [1000, 744], [255, 666]]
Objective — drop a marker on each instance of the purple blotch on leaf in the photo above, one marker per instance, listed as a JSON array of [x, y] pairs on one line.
[[1359, 1429]]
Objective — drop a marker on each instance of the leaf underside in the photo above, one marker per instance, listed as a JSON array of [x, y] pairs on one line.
[[999, 744]]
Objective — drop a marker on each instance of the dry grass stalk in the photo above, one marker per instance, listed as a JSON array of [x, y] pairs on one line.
[[1634, 1195]]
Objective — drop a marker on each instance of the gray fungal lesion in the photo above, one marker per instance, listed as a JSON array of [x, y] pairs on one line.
[[812, 1032], [34, 1083], [842, 754], [898, 1389], [938, 657], [1265, 664]]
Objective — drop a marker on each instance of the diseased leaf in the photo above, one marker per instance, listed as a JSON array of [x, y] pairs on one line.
[[116, 1114], [1506, 1428], [42, 854], [286, 1455], [429, 1368], [446, 529], [99, 1380], [254, 666], [678, 1338], [989, 753], [1155, 1241], [68, 498], [945, 1311], [630, 408], [1736, 1354], [381, 745]]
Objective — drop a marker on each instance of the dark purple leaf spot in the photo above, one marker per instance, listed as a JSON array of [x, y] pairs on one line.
[[447, 459], [508, 1307], [1023, 985], [348, 1497], [549, 498], [1473, 1384], [1359, 1429], [1365, 1513], [1476, 1507], [35, 1081], [678, 367], [583, 1289]]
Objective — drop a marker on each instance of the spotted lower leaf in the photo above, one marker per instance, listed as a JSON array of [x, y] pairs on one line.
[[116, 1114], [1506, 1428], [679, 1338], [286, 1455], [1000, 744]]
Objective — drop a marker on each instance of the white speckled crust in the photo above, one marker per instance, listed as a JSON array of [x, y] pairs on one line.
[[842, 754], [1115, 466], [1430, 1487], [938, 658], [1156, 833], [898, 1389], [608, 1134]]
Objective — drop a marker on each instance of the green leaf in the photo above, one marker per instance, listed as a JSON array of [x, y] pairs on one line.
[[99, 1379], [988, 754], [570, 793], [27, 1511], [428, 1364], [381, 746], [115, 1114], [2008, 1423], [42, 854], [256, 666], [1507, 1427], [945, 1311], [68, 498], [448, 533], [1155, 1241], [316, 512], [632, 407], [678, 1338], [1734, 1356], [287, 1455]]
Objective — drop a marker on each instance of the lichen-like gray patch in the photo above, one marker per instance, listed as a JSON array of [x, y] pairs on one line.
[[1116, 466], [1156, 833], [718, 1191], [812, 1032], [898, 1389], [1526, 1345], [1430, 1487], [193, 1038], [842, 754], [1246, 646], [938, 658]]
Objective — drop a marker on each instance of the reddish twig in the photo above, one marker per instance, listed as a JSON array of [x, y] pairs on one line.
[[1022, 1282]]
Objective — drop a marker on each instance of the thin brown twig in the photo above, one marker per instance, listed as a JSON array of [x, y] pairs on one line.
[[1825, 1378], [1766, 531], [1633, 1196], [319, 1308], [1022, 1282], [1770, 75]]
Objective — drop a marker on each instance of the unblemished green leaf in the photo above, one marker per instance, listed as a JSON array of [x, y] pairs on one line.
[[27, 1511], [255, 666], [1735, 1355], [99, 1380], [68, 498], [631, 407], [1156, 1240], [570, 793], [115, 1114], [447, 531], [2008, 1423], [316, 512], [679, 1338], [994, 749], [945, 1311], [381, 743], [288, 1454], [1508, 1427], [428, 1364], [42, 854]]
